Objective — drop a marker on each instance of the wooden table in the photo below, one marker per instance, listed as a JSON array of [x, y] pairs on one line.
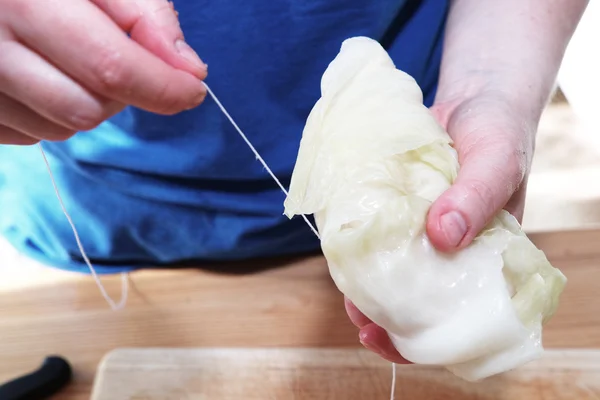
[[293, 304]]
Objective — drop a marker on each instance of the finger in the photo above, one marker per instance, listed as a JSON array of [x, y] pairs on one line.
[[154, 25], [89, 46], [491, 171], [357, 317], [32, 81], [20, 118], [376, 339], [516, 204], [13, 137]]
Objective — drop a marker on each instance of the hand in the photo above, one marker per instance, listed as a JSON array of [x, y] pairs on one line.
[[67, 66], [372, 336], [495, 143]]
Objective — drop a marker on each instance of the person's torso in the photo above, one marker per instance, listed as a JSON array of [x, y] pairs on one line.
[[265, 61]]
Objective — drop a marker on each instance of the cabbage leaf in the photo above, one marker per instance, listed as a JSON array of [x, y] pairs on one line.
[[372, 159]]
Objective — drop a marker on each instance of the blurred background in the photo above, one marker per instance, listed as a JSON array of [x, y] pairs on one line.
[[564, 187]]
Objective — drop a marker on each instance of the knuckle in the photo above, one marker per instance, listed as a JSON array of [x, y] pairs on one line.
[[484, 192], [111, 73], [505, 161]]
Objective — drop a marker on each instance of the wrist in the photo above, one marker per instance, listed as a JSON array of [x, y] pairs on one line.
[[519, 63], [525, 98]]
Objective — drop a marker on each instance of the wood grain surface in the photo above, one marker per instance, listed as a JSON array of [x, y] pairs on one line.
[[292, 303], [330, 374]]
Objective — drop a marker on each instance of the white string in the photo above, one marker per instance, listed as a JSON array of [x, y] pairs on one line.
[[392, 394], [264, 164], [124, 280], [258, 157]]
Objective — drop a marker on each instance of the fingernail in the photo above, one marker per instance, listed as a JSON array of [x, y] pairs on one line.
[[189, 54], [454, 227]]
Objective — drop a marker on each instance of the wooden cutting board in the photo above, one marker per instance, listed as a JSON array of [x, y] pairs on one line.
[[332, 374]]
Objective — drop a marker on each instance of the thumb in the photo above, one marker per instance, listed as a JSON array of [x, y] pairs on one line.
[[154, 25], [490, 174]]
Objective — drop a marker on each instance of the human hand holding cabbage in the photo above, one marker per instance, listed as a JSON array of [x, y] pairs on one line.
[[379, 173], [494, 142], [412, 237]]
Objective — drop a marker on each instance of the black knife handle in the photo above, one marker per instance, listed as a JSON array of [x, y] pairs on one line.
[[47, 380]]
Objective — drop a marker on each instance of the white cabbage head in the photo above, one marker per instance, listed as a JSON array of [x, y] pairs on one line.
[[372, 160]]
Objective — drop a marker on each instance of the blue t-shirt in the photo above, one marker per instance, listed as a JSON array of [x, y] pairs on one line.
[[148, 190]]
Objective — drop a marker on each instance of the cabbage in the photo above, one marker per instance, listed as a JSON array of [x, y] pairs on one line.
[[372, 159]]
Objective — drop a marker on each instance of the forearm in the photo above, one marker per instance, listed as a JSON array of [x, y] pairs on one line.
[[510, 47]]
